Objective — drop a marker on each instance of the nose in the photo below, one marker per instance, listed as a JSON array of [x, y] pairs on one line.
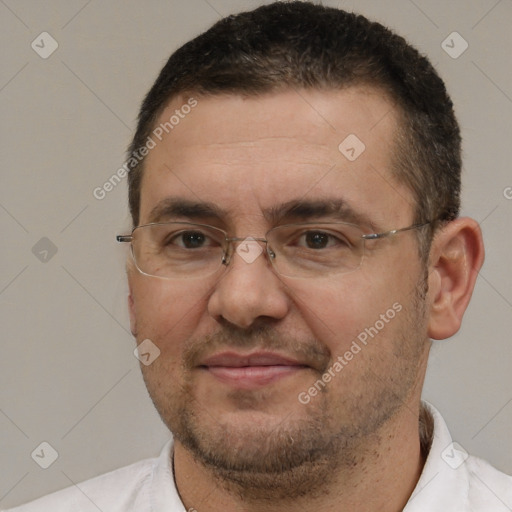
[[249, 289]]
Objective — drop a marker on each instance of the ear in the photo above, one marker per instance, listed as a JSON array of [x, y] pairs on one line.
[[456, 256], [133, 315]]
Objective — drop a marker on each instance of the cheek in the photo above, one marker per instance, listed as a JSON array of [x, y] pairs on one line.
[[338, 311], [167, 312]]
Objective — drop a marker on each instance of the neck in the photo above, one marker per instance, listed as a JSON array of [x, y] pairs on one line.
[[382, 478]]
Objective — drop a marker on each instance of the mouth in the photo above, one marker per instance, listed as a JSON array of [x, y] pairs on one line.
[[251, 371]]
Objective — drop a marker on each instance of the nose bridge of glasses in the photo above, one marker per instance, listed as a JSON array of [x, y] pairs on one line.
[[246, 250], [245, 239]]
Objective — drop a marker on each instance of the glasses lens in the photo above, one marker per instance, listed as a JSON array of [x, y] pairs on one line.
[[178, 250], [316, 250]]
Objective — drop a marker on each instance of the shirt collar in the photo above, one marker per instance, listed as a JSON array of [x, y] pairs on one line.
[[164, 493], [444, 481]]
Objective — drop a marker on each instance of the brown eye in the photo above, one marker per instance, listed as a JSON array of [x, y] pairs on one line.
[[189, 240], [322, 240], [192, 240], [316, 240]]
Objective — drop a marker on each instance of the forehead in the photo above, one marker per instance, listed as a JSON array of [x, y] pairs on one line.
[[250, 154]]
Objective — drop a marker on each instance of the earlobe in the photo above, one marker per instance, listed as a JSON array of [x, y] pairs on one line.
[[456, 256]]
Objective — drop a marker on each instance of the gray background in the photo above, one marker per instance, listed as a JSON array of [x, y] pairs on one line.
[[67, 371]]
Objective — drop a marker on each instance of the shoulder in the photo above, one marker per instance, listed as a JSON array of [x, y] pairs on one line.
[[123, 490], [456, 481], [489, 488]]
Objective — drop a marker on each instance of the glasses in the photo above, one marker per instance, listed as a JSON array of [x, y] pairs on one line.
[[182, 250]]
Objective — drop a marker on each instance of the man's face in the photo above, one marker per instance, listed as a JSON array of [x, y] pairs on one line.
[[246, 157]]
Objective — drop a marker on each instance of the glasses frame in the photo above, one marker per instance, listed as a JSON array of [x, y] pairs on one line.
[[226, 258]]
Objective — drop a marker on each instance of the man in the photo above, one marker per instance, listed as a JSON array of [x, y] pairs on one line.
[[296, 245]]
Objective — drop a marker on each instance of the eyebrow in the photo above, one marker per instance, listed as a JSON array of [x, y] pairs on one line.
[[301, 210], [172, 207]]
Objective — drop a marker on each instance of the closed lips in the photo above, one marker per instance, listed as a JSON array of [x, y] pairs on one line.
[[252, 370], [233, 360]]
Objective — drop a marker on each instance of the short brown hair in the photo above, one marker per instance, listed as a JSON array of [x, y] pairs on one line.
[[303, 45]]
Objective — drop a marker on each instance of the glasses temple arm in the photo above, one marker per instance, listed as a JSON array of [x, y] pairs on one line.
[[374, 236], [124, 238]]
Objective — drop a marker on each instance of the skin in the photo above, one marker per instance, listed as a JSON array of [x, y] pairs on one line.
[[355, 445]]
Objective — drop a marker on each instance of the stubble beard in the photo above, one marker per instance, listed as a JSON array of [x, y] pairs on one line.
[[304, 453]]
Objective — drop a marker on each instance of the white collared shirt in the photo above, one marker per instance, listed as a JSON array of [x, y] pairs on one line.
[[451, 481]]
